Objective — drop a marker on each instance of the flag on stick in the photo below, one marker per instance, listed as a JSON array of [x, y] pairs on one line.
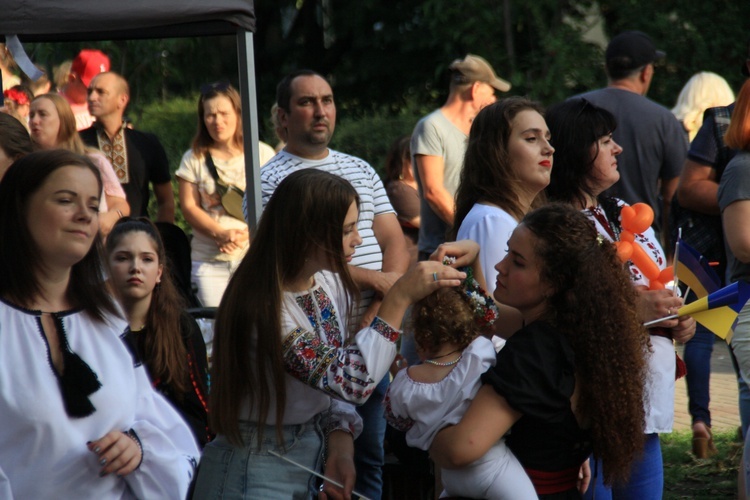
[[718, 310], [693, 269]]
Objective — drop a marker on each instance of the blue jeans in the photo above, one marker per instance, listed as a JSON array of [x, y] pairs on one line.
[[646, 477], [246, 472], [698, 352], [368, 447]]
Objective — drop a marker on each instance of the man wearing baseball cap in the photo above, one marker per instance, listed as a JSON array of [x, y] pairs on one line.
[[87, 64], [653, 142], [438, 144]]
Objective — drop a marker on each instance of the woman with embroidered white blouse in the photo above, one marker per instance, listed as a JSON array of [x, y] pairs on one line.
[[287, 365], [79, 416]]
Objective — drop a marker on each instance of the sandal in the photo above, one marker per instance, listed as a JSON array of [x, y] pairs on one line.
[[703, 441]]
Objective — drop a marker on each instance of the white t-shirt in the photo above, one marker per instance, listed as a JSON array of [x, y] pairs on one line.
[[194, 170], [490, 227]]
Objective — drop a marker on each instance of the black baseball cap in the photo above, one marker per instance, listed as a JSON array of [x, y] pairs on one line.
[[631, 50]]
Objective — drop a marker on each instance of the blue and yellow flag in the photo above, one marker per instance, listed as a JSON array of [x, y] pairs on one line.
[[693, 269], [718, 310]]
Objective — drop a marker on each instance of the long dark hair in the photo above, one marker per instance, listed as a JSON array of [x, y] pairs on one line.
[[594, 306], [166, 356], [487, 173], [304, 217], [576, 126], [18, 252]]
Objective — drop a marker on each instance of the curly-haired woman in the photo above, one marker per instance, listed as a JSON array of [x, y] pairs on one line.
[[557, 383]]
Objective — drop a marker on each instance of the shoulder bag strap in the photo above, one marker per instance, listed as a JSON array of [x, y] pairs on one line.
[[212, 168]]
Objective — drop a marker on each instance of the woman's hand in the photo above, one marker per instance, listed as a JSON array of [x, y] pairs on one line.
[[117, 452], [426, 277], [229, 240], [684, 330], [655, 304], [464, 251], [339, 466], [584, 477], [418, 282]]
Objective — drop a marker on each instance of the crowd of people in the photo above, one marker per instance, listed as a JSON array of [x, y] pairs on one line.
[[474, 301]]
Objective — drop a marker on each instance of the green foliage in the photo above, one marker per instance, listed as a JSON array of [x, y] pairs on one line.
[[174, 122], [688, 477], [369, 134]]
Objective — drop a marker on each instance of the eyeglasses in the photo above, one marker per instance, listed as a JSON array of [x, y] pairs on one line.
[[209, 88]]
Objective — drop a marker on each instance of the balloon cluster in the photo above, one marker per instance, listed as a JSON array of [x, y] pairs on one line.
[[636, 219]]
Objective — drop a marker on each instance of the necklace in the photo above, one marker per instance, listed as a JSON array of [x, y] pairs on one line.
[[447, 363]]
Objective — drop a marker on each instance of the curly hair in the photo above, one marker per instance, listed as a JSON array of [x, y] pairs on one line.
[[594, 306], [441, 317]]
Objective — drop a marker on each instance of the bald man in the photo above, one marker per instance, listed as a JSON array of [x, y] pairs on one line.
[[137, 157]]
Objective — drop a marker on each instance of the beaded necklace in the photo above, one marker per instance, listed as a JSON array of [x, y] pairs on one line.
[[447, 363]]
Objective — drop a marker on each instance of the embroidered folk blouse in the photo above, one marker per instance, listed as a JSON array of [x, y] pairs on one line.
[[43, 452], [323, 367]]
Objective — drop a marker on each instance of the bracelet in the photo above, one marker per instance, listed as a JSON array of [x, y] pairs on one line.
[[132, 435]]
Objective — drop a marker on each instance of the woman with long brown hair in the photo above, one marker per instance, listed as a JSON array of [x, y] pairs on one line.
[[162, 334], [558, 383], [79, 416], [286, 362]]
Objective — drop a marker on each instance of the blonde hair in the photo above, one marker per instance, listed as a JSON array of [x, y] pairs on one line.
[[67, 135], [704, 90]]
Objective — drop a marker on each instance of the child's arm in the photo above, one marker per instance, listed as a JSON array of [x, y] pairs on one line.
[[488, 418]]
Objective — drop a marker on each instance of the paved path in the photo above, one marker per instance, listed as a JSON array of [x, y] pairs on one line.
[[724, 409]]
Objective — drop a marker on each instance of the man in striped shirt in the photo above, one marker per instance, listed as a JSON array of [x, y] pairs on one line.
[[307, 115]]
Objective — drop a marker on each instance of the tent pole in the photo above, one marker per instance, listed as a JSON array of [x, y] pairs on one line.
[[249, 126]]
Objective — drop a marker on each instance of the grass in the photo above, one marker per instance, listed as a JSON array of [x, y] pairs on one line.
[[687, 477]]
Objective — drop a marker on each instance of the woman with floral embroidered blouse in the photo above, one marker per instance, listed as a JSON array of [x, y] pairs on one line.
[[286, 365]]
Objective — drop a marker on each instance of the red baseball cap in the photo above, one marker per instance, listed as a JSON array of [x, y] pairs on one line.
[[89, 63]]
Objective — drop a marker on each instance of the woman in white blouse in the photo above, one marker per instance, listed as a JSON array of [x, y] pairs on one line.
[[79, 416]]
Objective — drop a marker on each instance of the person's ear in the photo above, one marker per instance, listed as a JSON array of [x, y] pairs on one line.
[[282, 116]]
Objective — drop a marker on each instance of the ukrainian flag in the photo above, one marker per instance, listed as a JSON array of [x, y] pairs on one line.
[[718, 310], [693, 269]]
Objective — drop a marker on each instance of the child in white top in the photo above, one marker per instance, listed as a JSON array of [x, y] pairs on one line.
[[425, 398]]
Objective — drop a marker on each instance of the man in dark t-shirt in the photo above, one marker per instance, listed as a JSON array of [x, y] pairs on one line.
[[138, 157], [653, 142]]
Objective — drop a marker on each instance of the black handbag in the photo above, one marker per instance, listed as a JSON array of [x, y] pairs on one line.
[[231, 196]]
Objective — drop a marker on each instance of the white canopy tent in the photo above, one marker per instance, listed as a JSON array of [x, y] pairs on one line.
[[91, 20]]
